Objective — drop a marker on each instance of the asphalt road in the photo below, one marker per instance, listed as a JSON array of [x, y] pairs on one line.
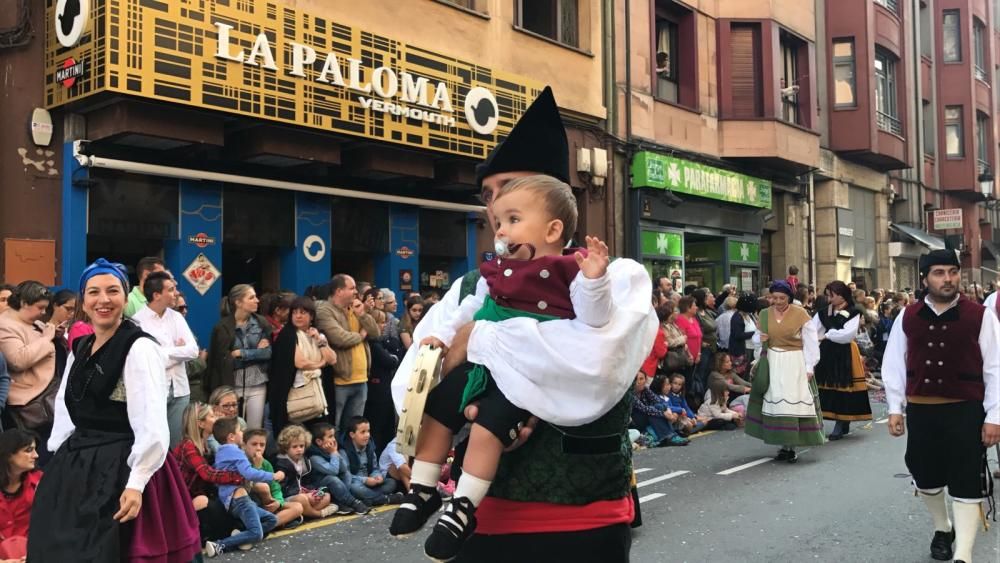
[[720, 499]]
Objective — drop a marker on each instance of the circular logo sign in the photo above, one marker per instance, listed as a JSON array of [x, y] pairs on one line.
[[313, 248], [481, 110], [404, 252], [71, 20], [201, 240]]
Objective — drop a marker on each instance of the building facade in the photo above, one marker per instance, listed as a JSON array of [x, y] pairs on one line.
[[277, 143], [818, 110], [948, 197]]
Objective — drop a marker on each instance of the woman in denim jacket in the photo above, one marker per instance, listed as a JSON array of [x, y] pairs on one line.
[[240, 352]]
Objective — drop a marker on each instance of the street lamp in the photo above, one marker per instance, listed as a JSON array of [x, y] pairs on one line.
[[986, 182]]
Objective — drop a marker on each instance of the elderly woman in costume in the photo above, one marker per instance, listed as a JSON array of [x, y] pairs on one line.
[[784, 408], [110, 492], [840, 372]]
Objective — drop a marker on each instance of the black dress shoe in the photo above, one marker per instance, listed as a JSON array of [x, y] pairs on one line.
[[941, 545], [783, 455], [835, 437]]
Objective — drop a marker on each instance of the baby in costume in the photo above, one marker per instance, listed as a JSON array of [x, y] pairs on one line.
[[533, 276]]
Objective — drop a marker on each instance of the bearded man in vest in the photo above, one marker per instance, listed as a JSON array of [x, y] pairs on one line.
[[565, 493], [942, 366]]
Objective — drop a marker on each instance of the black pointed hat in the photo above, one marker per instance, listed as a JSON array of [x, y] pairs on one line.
[[537, 143]]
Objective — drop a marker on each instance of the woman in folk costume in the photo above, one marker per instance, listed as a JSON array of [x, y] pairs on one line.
[[111, 493], [840, 373], [784, 406]]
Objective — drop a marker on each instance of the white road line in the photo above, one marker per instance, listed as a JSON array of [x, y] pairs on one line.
[[661, 478], [883, 421], [643, 470], [746, 466], [652, 496]]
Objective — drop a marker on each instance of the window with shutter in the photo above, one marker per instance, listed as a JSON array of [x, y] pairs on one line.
[[745, 80]]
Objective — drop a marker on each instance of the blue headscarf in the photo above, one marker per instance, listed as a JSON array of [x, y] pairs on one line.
[[101, 267], [781, 286]]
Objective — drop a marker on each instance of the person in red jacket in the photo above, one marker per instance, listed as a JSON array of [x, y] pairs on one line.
[[19, 478], [659, 350]]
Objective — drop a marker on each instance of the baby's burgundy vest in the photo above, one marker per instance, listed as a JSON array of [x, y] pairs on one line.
[[943, 358]]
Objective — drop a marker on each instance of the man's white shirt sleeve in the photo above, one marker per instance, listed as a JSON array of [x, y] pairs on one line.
[[894, 367], [564, 371]]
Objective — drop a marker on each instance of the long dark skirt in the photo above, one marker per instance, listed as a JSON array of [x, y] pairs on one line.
[[72, 518]]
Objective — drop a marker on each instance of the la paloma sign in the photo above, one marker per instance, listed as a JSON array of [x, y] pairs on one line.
[[385, 91]]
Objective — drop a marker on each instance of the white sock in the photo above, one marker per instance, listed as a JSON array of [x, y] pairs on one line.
[[472, 488], [938, 509], [967, 522], [425, 473]]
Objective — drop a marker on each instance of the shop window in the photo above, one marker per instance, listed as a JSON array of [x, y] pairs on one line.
[[930, 135], [980, 40], [130, 216], [953, 135], [258, 217], [675, 77], [792, 49], [359, 236], [951, 44], [845, 85], [556, 19], [982, 140], [745, 76], [886, 101], [443, 248]]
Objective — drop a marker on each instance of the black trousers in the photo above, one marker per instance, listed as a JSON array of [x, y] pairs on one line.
[[944, 448], [610, 544]]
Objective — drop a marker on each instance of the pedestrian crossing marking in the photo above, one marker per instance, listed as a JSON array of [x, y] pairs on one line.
[[652, 496], [643, 470], [745, 466], [661, 478]]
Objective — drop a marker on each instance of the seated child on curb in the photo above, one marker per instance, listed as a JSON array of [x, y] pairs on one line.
[[329, 471], [716, 409], [231, 458], [652, 414], [368, 483], [688, 422], [395, 465], [533, 276], [739, 389], [268, 495], [292, 441]]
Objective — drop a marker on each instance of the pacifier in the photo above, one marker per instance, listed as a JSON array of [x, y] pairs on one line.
[[504, 248]]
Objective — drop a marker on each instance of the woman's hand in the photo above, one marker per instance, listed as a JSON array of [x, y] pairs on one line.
[[764, 337], [264, 343], [312, 333], [236, 353], [130, 503]]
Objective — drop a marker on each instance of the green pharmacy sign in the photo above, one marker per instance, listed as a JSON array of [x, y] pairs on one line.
[[652, 170], [659, 243], [742, 251]]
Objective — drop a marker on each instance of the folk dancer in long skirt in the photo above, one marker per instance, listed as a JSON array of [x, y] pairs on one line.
[[840, 373], [111, 493], [784, 407], [942, 368]]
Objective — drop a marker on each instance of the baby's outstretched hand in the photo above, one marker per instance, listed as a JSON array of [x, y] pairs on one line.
[[595, 265]]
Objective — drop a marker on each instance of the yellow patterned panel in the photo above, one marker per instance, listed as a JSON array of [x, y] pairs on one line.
[[169, 50]]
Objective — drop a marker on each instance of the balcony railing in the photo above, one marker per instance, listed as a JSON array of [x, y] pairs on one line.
[[981, 74], [891, 5], [890, 124]]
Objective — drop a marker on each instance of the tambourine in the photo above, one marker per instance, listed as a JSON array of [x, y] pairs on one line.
[[425, 376]]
